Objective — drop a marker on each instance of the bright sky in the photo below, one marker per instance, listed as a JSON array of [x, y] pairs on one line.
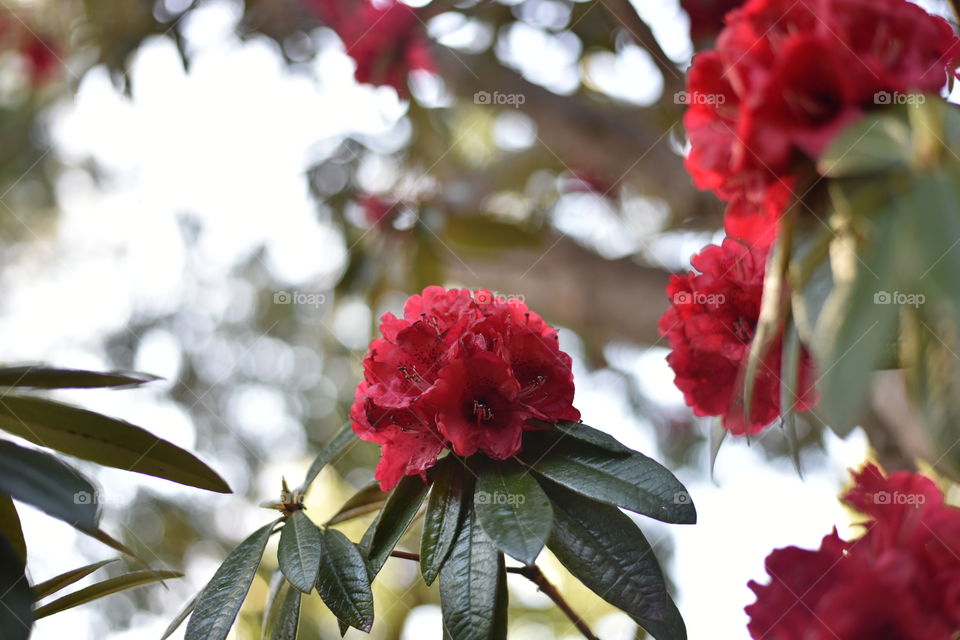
[[229, 143]]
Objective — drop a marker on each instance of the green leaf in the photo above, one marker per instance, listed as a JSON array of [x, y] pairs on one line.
[[513, 509], [63, 580], [177, 621], [281, 617], [343, 583], [445, 509], [671, 627], [40, 479], [875, 143], [44, 377], [10, 526], [607, 552], [102, 589], [717, 435], [329, 453], [585, 433], [392, 521], [469, 584], [789, 388], [105, 538], [299, 551], [106, 441], [366, 500], [16, 599], [632, 481], [219, 602]]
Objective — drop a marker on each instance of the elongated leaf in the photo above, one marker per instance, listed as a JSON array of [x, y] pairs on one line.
[[104, 537], [177, 621], [585, 433], [39, 479], [64, 580], [219, 602], [633, 481], [364, 501], [102, 589], [106, 441], [513, 509], [10, 526], [281, 618], [330, 452], [299, 551], [469, 584], [608, 553], [392, 522], [16, 599], [445, 509], [671, 627], [44, 377], [344, 584], [717, 435], [789, 379]]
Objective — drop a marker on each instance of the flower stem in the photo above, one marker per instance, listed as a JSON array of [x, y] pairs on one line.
[[532, 573]]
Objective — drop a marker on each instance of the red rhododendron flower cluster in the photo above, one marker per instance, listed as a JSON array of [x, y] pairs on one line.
[[706, 17], [899, 581], [461, 370], [710, 324], [785, 78], [387, 39]]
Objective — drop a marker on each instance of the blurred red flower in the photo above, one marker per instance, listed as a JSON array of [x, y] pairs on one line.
[[387, 39], [706, 17], [899, 581], [785, 78], [710, 324], [463, 370], [41, 58]]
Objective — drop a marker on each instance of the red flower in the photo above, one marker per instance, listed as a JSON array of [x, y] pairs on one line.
[[899, 581], [710, 325], [706, 17], [785, 78], [460, 371], [386, 39], [41, 58]]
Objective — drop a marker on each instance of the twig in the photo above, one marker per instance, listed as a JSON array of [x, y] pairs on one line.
[[624, 13], [532, 573]]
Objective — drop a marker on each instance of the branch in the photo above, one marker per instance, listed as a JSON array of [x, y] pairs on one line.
[[623, 13], [533, 574]]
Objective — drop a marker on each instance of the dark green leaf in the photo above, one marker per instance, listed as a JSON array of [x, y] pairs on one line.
[[44, 377], [445, 509], [105, 588], [633, 481], [585, 433], [106, 441], [16, 599], [177, 621], [364, 501], [329, 453], [10, 526], [40, 479], [469, 584], [607, 552], [392, 521], [63, 580], [219, 602], [513, 509], [344, 584], [281, 617], [299, 551], [670, 628]]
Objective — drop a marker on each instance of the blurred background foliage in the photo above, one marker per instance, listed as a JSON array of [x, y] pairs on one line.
[[574, 198]]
